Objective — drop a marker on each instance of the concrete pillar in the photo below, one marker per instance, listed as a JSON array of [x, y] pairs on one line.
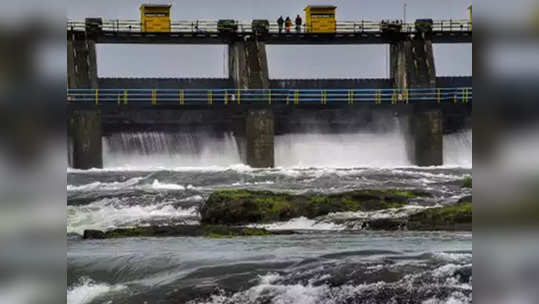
[[85, 131], [424, 137], [259, 134], [412, 63], [248, 64], [81, 63]]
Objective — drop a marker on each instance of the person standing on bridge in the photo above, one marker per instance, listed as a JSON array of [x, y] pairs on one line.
[[298, 23], [288, 24], [280, 23]]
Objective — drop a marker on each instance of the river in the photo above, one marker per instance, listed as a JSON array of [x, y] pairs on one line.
[[330, 261]]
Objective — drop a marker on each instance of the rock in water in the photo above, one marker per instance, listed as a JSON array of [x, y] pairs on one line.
[[213, 231], [238, 207], [93, 234], [452, 217]]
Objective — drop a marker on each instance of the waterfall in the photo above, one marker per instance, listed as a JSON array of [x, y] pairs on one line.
[[169, 150], [458, 149], [341, 150], [144, 150]]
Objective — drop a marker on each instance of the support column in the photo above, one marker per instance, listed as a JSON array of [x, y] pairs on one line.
[[412, 63], [248, 64], [85, 131], [259, 131], [424, 137], [81, 64]]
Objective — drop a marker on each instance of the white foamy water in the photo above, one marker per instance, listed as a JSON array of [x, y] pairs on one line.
[[87, 290], [132, 183], [342, 220], [341, 150], [458, 149], [300, 223], [353, 220], [114, 213], [143, 150], [163, 151], [270, 286], [105, 186], [161, 186]]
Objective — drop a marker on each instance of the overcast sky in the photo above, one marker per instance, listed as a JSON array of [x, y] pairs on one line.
[[336, 61]]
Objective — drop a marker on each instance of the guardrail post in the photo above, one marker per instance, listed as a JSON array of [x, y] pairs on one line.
[[226, 97], [154, 96], [210, 97], [118, 100], [406, 95], [455, 97], [182, 101], [96, 96], [325, 97], [438, 96], [296, 97], [269, 96], [393, 97], [125, 97], [239, 96], [465, 95]]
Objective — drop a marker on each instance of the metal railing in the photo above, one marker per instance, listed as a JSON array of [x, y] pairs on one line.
[[210, 26], [268, 96]]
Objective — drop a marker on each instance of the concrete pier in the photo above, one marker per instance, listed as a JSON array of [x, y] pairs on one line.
[[259, 135], [81, 64], [248, 64], [84, 132], [412, 63], [424, 137]]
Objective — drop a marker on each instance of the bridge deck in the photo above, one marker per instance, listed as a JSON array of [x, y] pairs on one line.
[[206, 32]]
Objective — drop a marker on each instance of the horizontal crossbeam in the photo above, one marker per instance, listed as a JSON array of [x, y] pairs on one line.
[[268, 96]]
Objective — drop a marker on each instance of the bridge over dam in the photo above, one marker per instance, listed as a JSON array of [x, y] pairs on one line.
[[411, 54], [255, 108]]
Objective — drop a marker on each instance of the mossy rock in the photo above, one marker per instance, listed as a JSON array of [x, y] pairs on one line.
[[452, 217], [238, 207], [467, 182], [211, 231]]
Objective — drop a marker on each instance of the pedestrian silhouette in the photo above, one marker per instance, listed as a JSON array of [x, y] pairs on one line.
[[280, 23], [288, 24], [298, 23]]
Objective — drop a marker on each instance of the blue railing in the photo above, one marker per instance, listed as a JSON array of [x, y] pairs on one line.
[[268, 96]]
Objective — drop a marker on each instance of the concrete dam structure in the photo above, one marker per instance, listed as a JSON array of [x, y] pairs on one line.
[[256, 108]]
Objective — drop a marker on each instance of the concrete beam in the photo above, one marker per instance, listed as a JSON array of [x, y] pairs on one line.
[[259, 135], [81, 64], [226, 83], [412, 63], [248, 64], [84, 132]]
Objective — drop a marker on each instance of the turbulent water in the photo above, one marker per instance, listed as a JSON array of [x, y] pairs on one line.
[[332, 261], [158, 150]]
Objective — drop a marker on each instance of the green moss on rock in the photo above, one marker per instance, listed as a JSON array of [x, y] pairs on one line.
[[451, 217], [211, 231], [467, 182], [237, 207]]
